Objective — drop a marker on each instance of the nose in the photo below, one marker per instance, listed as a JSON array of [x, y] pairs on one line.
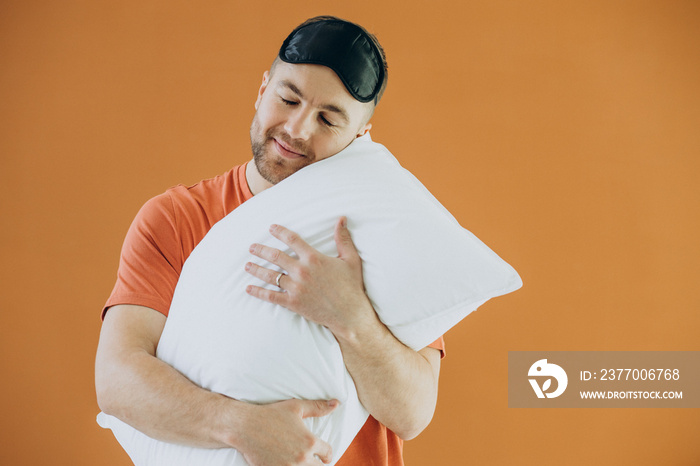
[[299, 124]]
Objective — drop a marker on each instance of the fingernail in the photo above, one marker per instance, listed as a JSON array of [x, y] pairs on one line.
[[344, 222], [247, 266], [273, 227], [333, 403], [252, 248]]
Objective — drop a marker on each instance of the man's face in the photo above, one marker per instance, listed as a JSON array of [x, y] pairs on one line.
[[303, 114]]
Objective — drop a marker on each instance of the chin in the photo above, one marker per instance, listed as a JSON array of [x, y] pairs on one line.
[[274, 168]]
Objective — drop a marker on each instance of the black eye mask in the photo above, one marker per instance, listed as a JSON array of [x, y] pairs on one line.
[[343, 47]]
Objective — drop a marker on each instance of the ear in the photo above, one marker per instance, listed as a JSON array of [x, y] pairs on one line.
[[263, 86], [364, 130]]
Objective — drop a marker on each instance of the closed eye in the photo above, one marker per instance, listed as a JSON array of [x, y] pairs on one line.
[[325, 121], [288, 102]]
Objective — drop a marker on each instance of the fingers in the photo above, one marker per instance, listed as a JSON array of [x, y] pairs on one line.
[[274, 297], [325, 452], [272, 277], [291, 239], [277, 257], [317, 408], [343, 241], [272, 255]]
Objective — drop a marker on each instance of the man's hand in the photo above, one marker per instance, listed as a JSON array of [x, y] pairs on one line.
[[397, 385], [148, 394], [326, 290], [276, 435]]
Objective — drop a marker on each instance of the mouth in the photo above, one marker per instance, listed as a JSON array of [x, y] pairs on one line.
[[285, 151]]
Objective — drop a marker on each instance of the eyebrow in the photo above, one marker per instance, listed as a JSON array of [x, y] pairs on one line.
[[329, 107]]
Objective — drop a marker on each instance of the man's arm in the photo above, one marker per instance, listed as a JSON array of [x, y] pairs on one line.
[[148, 394], [397, 385]]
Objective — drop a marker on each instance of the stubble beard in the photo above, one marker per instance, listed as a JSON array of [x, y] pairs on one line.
[[271, 166]]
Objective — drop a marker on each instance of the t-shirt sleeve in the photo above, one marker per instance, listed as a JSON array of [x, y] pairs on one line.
[[439, 344], [151, 258]]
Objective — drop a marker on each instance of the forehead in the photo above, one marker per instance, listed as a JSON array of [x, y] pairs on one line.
[[317, 84]]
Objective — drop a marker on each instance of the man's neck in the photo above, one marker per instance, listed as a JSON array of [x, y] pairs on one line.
[[256, 182]]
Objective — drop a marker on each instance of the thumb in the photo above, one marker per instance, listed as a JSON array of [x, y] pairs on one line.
[[343, 240], [317, 408]]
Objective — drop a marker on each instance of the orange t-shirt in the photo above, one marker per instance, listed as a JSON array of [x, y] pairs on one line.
[[162, 236]]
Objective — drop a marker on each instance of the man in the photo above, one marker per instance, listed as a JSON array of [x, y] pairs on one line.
[[311, 105]]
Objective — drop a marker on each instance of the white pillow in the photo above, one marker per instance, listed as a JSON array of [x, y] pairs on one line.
[[422, 271]]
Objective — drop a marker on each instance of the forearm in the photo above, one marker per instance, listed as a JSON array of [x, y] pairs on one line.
[[154, 398], [397, 385], [148, 394]]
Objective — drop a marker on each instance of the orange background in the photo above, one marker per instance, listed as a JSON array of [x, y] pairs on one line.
[[565, 134]]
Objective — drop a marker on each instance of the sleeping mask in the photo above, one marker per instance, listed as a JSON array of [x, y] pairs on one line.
[[343, 47]]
